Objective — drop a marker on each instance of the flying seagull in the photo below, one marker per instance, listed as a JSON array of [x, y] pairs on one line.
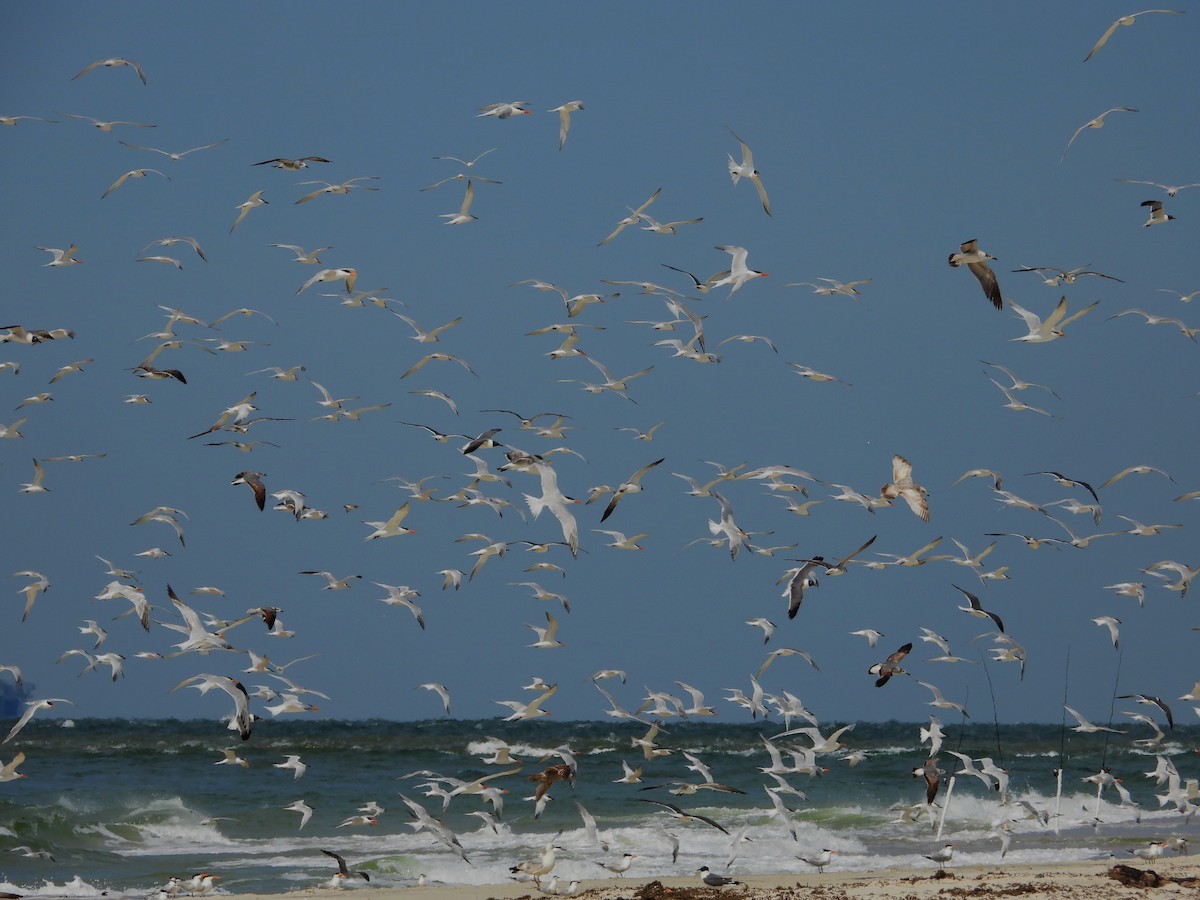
[[903, 486], [1126, 20], [976, 260], [1097, 122], [118, 61], [890, 666], [1157, 214]]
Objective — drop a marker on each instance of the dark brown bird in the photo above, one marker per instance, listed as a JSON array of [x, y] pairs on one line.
[[549, 776], [890, 666], [933, 778], [254, 480], [976, 260]]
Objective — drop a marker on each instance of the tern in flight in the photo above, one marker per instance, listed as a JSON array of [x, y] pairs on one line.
[[1064, 276], [344, 188], [739, 273], [132, 173], [174, 157], [1051, 329], [564, 119], [745, 169], [1086, 727], [635, 216], [1114, 632], [557, 502], [106, 126], [255, 200], [392, 527], [505, 110], [242, 720], [30, 709], [1136, 470], [461, 217], [1170, 189], [62, 257], [1151, 701], [631, 486], [303, 808], [620, 542], [849, 288], [839, 568], [546, 636], [940, 701], [347, 275]]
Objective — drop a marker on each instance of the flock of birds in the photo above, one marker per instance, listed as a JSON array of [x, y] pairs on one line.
[[239, 426]]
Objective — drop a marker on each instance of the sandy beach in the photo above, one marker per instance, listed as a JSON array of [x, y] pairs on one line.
[[1061, 881]]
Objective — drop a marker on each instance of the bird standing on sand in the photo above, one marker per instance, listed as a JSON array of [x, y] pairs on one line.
[[621, 866], [820, 861], [943, 856], [712, 879], [1152, 850]]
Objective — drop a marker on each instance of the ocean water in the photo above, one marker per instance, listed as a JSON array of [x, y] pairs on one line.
[[125, 805]]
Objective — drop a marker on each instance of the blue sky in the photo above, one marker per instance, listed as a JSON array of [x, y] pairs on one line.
[[884, 139]]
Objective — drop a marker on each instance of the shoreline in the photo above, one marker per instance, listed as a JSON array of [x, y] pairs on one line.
[[1035, 881]]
